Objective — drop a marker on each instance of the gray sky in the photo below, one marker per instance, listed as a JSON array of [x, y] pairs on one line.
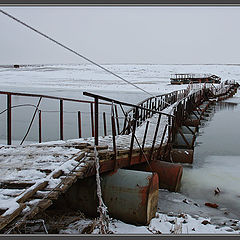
[[161, 35]]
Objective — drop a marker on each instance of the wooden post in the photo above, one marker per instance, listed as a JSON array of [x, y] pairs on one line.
[[61, 119], [40, 126], [9, 119], [96, 121], [79, 125]]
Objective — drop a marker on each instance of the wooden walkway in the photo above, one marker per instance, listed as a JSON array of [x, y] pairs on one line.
[[33, 176]]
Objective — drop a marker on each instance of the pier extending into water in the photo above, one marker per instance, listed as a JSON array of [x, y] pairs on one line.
[[151, 137]]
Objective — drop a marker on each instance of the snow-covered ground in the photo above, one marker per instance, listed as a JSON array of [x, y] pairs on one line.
[[176, 215], [152, 78]]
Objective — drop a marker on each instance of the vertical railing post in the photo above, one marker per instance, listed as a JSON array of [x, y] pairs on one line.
[[92, 123], [96, 121], [39, 126], [79, 125], [170, 129], [154, 138], [135, 117], [143, 142], [147, 106], [104, 124], [9, 119], [116, 113], [114, 141], [124, 125], [150, 107], [61, 119]]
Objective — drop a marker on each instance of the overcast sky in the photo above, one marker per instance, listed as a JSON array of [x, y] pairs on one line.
[[159, 35]]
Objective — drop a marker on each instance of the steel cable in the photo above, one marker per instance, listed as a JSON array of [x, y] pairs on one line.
[[73, 51]]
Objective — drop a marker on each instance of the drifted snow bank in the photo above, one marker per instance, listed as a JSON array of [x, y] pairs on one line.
[[161, 224]]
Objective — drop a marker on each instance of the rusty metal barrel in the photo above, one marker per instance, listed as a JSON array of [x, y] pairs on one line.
[[131, 196], [169, 174]]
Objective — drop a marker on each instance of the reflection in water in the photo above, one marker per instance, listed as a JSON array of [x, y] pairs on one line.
[[216, 159]]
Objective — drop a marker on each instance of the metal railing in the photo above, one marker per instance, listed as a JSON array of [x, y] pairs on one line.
[[38, 110]]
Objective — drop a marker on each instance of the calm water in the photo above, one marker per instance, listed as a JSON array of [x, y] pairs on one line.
[[217, 159]]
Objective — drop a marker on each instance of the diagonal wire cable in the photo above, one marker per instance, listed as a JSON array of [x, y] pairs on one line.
[[73, 51]]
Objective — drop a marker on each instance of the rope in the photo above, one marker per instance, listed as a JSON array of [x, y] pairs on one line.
[[73, 51]]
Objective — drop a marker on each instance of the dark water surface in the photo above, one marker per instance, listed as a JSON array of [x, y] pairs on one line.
[[217, 159]]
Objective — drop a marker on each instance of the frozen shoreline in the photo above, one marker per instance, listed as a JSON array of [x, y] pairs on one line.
[[181, 215]]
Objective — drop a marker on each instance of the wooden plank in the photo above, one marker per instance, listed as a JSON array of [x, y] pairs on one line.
[[101, 147], [4, 221], [30, 193], [79, 174], [80, 157], [15, 185], [44, 204], [57, 174], [66, 183], [33, 212]]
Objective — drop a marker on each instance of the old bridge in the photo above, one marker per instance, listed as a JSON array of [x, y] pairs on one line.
[[157, 129]]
